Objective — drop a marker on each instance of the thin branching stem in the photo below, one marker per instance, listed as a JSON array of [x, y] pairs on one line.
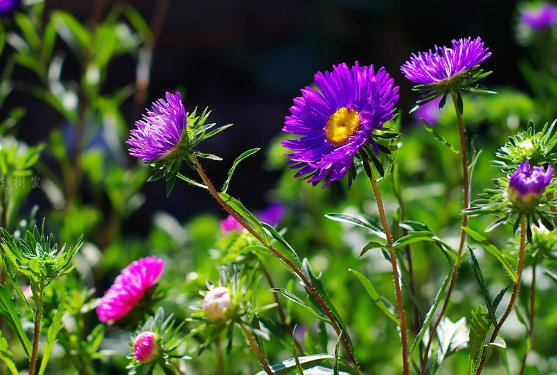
[[466, 204], [516, 288], [398, 292], [36, 333], [256, 349], [532, 315], [284, 259]]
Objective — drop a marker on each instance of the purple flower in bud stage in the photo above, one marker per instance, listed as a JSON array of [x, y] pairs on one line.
[[526, 184], [146, 347], [272, 215], [8, 7], [337, 119], [129, 288], [162, 132], [433, 68], [217, 304], [541, 18]]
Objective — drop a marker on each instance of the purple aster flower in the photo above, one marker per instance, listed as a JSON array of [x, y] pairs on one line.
[[129, 288], [526, 184], [146, 347], [162, 131], [433, 68], [337, 119], [8, 7], [272, 215], [540, 18]]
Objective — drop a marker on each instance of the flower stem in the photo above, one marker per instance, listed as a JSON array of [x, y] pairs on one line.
[[36, 337], [284, 259], [403, 333], [516, 288], [466, 204], [532, 309], [256, 349]]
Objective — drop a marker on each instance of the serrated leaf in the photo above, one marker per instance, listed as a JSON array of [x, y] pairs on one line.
[[235, 164], [493, 250], [374, 295], [479, 326]]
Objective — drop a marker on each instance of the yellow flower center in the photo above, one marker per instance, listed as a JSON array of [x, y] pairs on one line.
[[341, 125]]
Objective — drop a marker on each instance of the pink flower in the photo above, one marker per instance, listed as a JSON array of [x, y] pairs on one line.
[[217, 303], [145, 347], [129, 288]]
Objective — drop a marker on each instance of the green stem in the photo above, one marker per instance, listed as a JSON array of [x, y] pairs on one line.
[[466, 204], [403, 333], [36, 335], [532, 315], [515, 289], [256, 349], [284, 259]]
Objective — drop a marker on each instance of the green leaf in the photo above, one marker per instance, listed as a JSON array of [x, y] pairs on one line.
[[478, 275], [235, 164], [479, 326], [452, 338], [437, 137], [7, 356], [184, 178], [76, 36], [55, 327], [288, 365], [282, 245], [374, 295], [377, 234], [246, 215], [298, 301], [493, 251], [8, 311]]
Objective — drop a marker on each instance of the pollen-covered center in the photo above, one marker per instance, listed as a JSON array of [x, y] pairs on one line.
[[341, 125]]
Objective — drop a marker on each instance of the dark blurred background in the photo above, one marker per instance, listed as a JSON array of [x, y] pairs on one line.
[[247, 60]]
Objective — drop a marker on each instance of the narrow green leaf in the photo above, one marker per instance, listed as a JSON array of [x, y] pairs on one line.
[[235, 164], [478, 275], [493, 251], [298, 301], [288, 365], [282, 245], [76, 36], [8, 310], [7, 356], [479, 326], [190, 181], [246, 215], [437, 137], [55, 327], [377, 234], [374, 295]]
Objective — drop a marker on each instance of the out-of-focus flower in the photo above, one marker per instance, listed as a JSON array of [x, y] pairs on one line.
[[146, 347], [162, 131], [129, 288], [540, 18], [272, 215], [217, 304], [337, 119], [429, 112], [8, 7], [526, 185]]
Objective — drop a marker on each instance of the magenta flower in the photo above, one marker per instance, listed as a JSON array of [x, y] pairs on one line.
[[541, 18], [526, 184], [8, 7], [129, 288], [272, 215], [338, 119], [432, 68], [146, 347]]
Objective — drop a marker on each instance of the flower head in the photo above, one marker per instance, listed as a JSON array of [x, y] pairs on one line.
[[526, 185], [129, 288], [539, 19], [162, 130], [8, 7], [337, 119], [217, 304], [146, 347]]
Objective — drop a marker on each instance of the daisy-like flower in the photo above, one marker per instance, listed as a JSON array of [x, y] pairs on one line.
[[447, 69], [526, 184], [337, 120], [129, 288], [539, 19], [8, 7], [162, 131], [146, 347]]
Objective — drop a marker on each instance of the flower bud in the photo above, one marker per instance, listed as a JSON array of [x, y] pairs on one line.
[[526, 185], [146, 347], [217, 303]]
